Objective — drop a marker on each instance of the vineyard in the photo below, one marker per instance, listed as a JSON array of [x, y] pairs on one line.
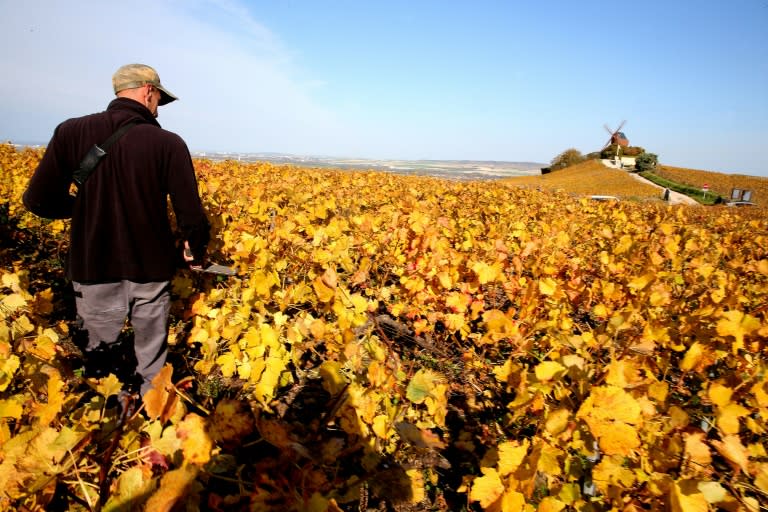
[[718, 183], [591, 177], [404, 344]]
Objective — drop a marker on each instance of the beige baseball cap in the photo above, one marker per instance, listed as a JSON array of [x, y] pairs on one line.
[[131, 76]]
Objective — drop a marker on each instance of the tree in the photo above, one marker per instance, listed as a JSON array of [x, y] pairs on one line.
[[567, 158], [646, 162]]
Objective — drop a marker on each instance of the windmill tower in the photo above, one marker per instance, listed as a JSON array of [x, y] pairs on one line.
[[617, 137]]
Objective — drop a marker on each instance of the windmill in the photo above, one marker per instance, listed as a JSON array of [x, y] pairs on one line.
[[617, 137]]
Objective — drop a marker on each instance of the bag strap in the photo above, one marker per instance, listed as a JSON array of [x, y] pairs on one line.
[[118, 133], [93, 157]]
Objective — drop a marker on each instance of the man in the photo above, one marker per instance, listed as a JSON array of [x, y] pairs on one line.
[[122, 254]]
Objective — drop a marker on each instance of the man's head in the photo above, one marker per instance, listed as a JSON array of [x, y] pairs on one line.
[[141, 83]]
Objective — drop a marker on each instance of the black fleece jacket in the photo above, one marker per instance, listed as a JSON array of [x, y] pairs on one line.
[[120, 219]]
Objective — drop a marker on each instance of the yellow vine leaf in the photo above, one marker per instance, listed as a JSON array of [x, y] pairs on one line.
[[160, 401], [381, 426], [486, 273], [11, 408], [613, 416], [108, 386], [719, 394], [692, 357], [269, 380], [761, 478], [487, 488], [334, 380], [639, 283], [511, 456], [622, 373], [324, 292], [735, 452], [47, 412], [420, 438], [132, 486], [611, 472], [557, 421], [569, 493], [760, 392], [728, 418], [498, 326], [625, 243], [21, 327], [43, 302], [600, 311], [513, 501], [658, 391], [737, 325], [611, 403], [417, 491], [8, 368], [174, 487], [227, 363], [422, 385], [713, 492], [231, 422], [33, 457], [685, 496], [548, 370], [274, 432], [196, 443], [503, 372], [697, 450], [13, 302], [549, 463], [550, 504], [547, 286]]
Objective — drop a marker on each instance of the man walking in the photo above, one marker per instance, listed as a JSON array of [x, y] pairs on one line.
[[122, 254]]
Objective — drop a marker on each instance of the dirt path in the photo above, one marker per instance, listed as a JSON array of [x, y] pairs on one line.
[[674, 197]]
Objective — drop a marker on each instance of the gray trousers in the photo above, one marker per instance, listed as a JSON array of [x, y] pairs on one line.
[[103, 308]]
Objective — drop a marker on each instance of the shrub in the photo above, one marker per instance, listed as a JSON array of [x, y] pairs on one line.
[[632, 151], [646, 162], [567, 158]]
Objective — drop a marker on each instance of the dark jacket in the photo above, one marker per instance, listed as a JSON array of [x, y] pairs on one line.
[[120, 224]]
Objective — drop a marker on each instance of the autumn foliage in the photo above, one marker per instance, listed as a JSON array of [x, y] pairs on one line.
[[409, 344], [719, 183], [591, 177]]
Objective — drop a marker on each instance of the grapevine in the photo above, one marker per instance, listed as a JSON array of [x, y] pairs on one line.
[[409, 344]]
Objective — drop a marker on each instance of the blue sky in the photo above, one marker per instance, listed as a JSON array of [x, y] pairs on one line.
[[481, 80]]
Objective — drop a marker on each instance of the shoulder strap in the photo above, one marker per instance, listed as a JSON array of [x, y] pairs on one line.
[[118, 133], [94, 156]]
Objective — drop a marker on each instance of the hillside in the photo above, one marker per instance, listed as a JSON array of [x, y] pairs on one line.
[[591, 178], [719, 183]]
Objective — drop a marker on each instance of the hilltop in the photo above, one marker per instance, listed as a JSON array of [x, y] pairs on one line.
[[591, 177]]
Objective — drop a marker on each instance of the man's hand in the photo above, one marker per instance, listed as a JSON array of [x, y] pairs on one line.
[[189, 258]]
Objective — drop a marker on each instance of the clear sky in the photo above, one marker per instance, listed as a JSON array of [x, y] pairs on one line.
[[417, 79]]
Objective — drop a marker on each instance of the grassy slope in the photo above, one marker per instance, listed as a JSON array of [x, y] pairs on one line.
[[591, 178], [719, 183]]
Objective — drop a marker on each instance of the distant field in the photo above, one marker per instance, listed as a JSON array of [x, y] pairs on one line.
[[719, 183], [591, 178]]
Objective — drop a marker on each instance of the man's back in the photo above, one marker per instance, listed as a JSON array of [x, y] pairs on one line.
[[120, 227]]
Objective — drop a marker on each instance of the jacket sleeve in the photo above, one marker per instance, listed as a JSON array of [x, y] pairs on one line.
[[47, 194], [185, 198]]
